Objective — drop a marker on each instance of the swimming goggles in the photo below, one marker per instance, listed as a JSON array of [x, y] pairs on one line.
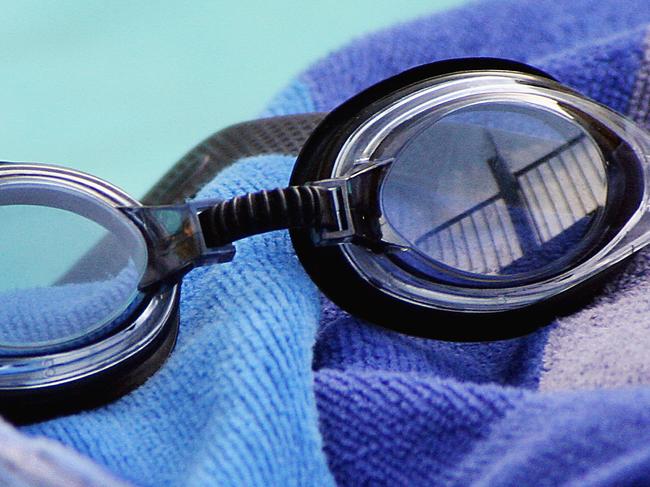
[[467, 199]]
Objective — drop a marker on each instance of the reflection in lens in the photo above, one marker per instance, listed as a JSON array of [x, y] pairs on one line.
[[50, 293], [496, 189]]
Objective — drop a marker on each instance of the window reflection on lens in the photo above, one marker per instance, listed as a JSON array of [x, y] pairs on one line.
[[496, 189]]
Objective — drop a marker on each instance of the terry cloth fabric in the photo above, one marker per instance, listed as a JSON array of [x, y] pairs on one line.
[[243, 400]]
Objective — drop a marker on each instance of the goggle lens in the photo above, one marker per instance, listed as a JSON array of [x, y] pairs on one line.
[[69, 270], [495, 189]]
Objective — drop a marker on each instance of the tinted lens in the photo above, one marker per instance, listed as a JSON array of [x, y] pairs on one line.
[[496, 189], [68, 270]]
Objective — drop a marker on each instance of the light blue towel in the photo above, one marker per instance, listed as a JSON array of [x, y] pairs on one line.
[[234, 404]]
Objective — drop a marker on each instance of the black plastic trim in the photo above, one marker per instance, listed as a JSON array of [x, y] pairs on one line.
[[330, 269], [25, 406]]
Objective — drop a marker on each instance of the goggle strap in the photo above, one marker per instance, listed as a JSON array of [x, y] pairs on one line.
[[276, 135]]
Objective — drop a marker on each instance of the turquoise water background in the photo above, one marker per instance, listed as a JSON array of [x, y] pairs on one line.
[[122, 89]]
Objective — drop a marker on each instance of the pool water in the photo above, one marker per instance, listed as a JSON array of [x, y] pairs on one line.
[[123, 89]]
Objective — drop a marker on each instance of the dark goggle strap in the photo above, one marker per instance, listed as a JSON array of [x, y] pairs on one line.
[[276, 135]]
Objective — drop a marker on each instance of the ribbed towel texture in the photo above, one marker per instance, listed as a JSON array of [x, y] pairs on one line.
[[272, 385]]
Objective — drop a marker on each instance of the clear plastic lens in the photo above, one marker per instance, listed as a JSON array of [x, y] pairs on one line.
[[69, 270], [495, 189]]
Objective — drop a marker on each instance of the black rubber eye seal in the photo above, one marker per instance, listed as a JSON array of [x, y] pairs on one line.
[[34, 405], [339, 281]]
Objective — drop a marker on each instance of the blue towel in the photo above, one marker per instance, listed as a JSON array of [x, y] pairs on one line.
[[272, 385]]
